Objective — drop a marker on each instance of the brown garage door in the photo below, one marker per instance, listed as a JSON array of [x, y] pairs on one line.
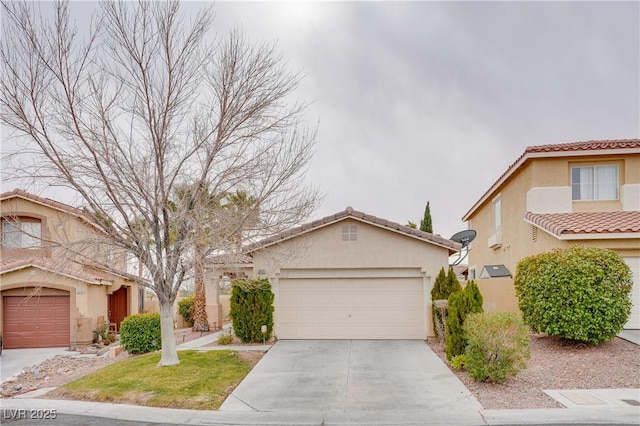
[[36, 322]]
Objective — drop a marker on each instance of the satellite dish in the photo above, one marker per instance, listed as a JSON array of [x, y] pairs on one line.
[[463, 237]]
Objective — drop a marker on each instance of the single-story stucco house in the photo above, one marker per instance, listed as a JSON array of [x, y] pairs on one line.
[[351, 276]]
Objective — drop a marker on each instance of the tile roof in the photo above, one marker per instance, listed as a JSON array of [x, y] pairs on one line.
[[231, 259], [362, 217], [588, 224], [556, 150], [19, 193], [49, 265]]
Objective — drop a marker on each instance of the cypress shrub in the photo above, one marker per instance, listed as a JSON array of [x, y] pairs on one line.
[[140, 333], [444, 285], [580, 293], [251, 308], [461, 304]]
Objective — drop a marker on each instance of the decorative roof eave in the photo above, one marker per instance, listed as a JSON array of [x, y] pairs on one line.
[[607, 147], [575, 236], [77, 277], [350, 213]]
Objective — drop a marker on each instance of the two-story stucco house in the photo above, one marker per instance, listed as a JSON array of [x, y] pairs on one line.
[[557, 196], [54, 293]]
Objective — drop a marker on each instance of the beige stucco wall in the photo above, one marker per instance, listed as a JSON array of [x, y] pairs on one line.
[[375, 251], [521, 239]]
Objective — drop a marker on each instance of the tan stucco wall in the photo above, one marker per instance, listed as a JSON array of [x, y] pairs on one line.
[[521, 239], [375, 249]]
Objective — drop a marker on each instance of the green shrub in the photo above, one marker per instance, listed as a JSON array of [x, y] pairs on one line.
[[581, 293], [459, 362], [226, 338], [140, 333], [184, 308], [461, 304], [444, 286], [251, 308], [497, 346]]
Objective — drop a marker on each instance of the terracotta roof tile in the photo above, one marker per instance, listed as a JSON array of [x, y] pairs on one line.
[[583, 147], [42, 200], [349, 212], [589, 223]]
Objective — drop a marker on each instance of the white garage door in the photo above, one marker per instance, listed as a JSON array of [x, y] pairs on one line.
[[634, 319], [351, 308]]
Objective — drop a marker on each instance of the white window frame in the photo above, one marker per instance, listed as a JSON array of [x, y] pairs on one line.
[[497, 215], [26, 233], [590, 191]]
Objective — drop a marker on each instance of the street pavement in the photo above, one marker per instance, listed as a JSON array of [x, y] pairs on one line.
[[82, 412]]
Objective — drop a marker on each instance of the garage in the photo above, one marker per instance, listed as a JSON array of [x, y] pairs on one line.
[[351, 308], [634, 319], [35, 322], [351, 275]]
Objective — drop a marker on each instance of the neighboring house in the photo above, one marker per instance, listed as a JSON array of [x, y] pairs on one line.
[[557, 196], [352, 276], [54, 292]]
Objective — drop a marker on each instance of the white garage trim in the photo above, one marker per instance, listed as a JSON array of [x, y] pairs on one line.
[[352, 273], [351, 304], [634, 318]]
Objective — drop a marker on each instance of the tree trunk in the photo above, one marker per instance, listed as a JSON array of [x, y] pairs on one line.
[[169, 351], [199, 313]]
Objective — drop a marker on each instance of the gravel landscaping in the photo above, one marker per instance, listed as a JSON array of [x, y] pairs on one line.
[[558, 364]]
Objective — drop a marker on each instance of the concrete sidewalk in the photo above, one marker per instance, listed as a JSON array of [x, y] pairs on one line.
[[555, 416]]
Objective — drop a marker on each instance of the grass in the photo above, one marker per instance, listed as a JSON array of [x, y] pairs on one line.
[[201, 381]]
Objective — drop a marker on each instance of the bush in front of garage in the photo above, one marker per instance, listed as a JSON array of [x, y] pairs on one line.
[[580, 293], [251, 308], [140, 333]]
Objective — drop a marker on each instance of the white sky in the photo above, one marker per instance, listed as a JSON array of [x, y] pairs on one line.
[[422, 101]]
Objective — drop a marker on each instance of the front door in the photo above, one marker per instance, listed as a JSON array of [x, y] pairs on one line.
[[118, 306]]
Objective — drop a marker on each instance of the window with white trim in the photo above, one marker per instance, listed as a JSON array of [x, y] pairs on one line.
[[594, 182], [497, 215], [21, 233]]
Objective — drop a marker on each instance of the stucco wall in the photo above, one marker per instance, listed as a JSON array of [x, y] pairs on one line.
[[375, 251], [521, 239]]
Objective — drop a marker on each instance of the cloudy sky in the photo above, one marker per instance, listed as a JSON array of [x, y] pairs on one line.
[[422, 101], [431, 101]]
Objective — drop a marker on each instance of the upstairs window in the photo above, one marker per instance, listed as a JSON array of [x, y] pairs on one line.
[[594, 183], [497, 216], [21, 233]]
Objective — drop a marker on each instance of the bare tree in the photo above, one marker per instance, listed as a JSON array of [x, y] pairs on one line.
[[144, 105]]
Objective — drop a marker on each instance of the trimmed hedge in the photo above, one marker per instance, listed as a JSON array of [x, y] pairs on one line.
[[580, 293], [140, 333], [497, 346], [251, 308], [184, 308]]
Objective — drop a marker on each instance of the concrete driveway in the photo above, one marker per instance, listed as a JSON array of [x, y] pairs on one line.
[[349, 376], [12, 361]]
